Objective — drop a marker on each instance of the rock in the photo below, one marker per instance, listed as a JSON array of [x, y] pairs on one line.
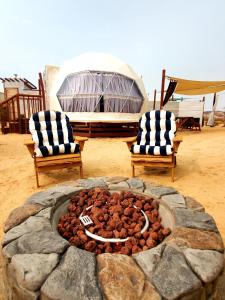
[[194, 204], [136, 184], [20, 214], [74, 278], [149, 292], [92, 183], [10, 250], [173, 277], [31, 270], [45, 213], [32, 224], [67, 190], [120, 277], [41, 242], [45, 198], [148, 260], [194, 219], [194, 238], [207, 264], [119, 186], [173, 201], [114, 180], [158, 191], [19, 293]]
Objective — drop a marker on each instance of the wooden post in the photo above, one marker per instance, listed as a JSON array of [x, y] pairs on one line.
[[154, 99], [42, 91], [162, 88], [18, 112]]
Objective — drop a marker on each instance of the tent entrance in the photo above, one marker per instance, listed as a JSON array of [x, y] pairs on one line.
[[94, 91]]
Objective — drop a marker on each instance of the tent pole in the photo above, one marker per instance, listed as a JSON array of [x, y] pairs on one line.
[[214, 99], [154, 99], [203, 100], [162, 87]]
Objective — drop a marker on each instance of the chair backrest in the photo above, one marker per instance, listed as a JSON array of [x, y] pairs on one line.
[[156, 131], [51, 130]]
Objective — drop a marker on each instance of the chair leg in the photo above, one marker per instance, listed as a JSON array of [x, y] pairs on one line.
[[81, 171], [172, 174], [37, 179], [133, 171]]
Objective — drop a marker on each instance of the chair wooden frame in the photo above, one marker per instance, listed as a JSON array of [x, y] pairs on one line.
[[56, 161], [156, 161]]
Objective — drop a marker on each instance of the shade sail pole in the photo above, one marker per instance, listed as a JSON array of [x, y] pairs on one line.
[[162, 87], [154, 99]]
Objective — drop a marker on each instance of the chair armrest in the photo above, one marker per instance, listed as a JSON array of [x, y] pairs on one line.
[[176, 143], [130, 141], [80, 140], [30, 145]]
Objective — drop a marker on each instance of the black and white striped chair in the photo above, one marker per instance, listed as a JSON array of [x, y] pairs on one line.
[[155, 144], [53, 144]]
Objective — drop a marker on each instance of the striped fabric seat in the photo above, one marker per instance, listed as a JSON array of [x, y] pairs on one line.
[[156, 132], [52, 134]]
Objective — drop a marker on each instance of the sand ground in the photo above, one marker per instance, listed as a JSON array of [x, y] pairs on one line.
[[200, 172]]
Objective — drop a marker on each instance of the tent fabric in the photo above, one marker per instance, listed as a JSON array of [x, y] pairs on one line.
[[170, 90], [82, 91], [192, 87], [52, 134], [155, 134], [101, 62]]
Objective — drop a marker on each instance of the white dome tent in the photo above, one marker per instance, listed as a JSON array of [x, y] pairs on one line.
[[96, 88]]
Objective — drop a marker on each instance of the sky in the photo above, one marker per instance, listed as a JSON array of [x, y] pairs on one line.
[[185, 37]]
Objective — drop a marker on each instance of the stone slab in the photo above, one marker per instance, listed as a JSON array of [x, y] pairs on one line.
[[196, 239], [20, 214], [148, 260], [119, 186], [158, 191], [194, 204], [173, 201], [32, 224], [74, 278], [120, 278], [194, 219], [136, 184], [207, 264], [92, 183], [31, 270], [173, 277], [41, 242], [115, 179], [45, 213], [45, 198], [67, 190]]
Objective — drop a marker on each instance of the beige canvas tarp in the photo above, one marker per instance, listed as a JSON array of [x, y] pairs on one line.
[[192, 87]]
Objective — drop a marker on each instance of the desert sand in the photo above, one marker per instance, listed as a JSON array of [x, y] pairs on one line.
[[200, 171]]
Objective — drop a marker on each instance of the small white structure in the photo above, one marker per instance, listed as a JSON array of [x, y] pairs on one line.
[[95, 87], [182, 109], [15, 85]]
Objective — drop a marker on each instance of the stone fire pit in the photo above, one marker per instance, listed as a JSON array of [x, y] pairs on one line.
[[40, 264]]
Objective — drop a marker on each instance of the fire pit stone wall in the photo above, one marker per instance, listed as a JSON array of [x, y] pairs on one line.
[[40, 264]]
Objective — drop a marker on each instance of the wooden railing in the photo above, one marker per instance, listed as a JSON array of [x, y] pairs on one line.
[[16, 111]]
